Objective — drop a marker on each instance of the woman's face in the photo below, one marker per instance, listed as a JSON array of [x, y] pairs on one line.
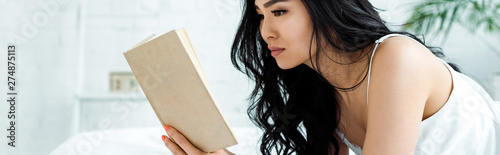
[[286, 28]]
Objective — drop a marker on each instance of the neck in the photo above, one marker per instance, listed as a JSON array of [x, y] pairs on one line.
[[342, 69]]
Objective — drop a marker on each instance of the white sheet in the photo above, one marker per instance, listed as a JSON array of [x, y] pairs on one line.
[[135, 141]]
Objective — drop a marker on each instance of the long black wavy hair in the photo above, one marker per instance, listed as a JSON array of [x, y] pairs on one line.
[[296, 108]]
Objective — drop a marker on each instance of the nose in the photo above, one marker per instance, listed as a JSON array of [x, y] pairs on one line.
[[268, 31]]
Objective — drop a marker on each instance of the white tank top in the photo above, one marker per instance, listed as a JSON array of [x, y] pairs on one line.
[[468, 123]]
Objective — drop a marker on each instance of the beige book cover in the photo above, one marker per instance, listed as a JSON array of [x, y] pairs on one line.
[[171, 76]]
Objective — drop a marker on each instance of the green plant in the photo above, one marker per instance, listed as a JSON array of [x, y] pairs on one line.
[[438, 16]]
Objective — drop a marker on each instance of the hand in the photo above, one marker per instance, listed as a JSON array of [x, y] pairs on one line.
[[183, 146]]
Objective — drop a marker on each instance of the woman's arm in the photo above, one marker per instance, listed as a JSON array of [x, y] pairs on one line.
[[399, 88]]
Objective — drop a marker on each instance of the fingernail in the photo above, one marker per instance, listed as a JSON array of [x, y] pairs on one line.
[[163, 137], [167, 128]]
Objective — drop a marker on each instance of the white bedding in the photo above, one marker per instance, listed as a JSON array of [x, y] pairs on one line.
[[135, 141]]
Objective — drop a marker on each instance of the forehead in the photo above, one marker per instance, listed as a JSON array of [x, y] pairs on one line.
[[267, 3]]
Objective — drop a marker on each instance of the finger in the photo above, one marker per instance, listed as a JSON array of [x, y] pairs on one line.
[[176, 150], [182, 141]]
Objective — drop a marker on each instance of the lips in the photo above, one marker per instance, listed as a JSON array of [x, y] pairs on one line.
[[275, 51]]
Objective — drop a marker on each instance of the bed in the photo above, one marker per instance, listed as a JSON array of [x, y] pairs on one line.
[[133, 141]]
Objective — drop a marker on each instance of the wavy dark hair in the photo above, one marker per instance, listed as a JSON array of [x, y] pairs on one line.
[[296, 108]]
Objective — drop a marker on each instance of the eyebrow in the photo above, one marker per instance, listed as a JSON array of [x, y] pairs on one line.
[[270, 3]]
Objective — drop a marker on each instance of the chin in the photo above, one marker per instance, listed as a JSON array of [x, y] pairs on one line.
[[286, 66]]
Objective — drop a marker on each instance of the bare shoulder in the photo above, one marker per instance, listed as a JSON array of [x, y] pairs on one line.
[[404, 56], [403, 62], [400, 85], [404, 51]]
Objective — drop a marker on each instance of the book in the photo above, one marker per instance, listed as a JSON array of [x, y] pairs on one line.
[[173, 81]]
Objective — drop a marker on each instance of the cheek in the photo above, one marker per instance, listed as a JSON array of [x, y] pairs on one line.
[[298, 31]]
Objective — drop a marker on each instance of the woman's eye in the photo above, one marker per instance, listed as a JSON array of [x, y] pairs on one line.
[[278, 12], [275, 13], [260, 16]]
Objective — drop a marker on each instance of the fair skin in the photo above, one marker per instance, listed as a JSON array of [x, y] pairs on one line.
[[184, 147], [408, 83]]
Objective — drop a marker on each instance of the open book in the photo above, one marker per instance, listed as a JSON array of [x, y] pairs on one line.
[[171, 76]]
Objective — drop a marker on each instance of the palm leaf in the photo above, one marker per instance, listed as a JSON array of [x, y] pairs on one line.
[[438, 16]]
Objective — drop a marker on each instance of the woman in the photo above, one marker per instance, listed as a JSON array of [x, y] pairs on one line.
[[329, 75]]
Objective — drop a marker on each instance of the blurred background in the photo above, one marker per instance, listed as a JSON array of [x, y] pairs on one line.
[[77, 94]]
